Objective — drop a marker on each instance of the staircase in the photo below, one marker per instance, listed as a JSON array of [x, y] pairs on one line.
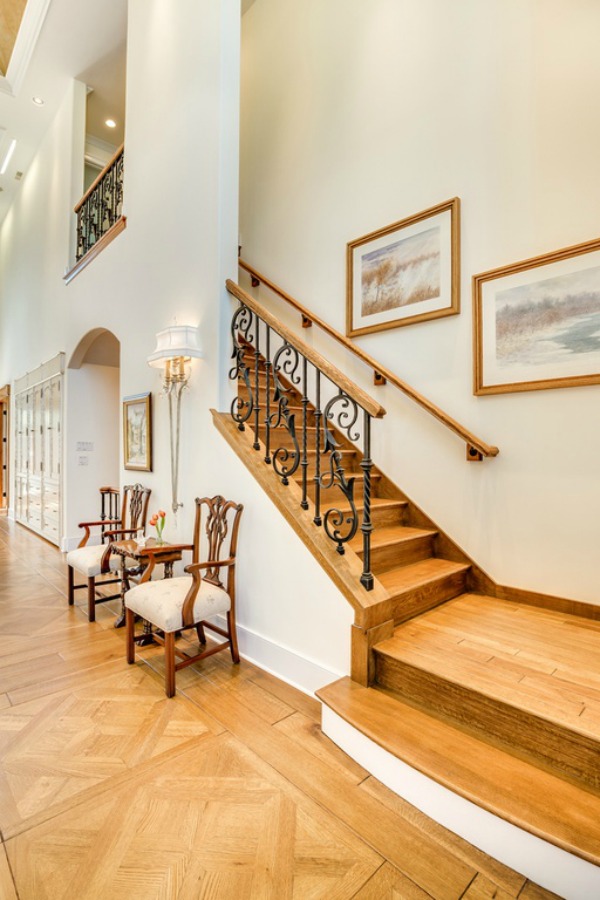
[[493, 699]]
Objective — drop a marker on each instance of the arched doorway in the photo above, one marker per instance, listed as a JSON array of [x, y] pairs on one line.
[[92, 428]]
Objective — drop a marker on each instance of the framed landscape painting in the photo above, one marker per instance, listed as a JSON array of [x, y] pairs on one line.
[[406, 272], [137, 432], [537, 323]]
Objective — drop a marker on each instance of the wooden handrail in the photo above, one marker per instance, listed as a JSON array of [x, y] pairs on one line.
[[476, 448], [97, 180], [352, 390]]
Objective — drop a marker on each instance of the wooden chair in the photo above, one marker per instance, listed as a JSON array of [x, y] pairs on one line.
[[94, 560], [175, 604]]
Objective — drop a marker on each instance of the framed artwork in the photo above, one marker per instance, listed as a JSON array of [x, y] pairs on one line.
[[137, 432], [407, 272], [537, 322]]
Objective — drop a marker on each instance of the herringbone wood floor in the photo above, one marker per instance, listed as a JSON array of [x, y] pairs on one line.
[[109, 790]]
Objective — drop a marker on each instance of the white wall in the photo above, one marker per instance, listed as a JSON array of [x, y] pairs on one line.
[[356, 115], [92, 401], [171, 262]]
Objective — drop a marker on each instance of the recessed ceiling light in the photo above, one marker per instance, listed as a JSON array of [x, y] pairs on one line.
[[38, 101], [111, 123], [9, 153]]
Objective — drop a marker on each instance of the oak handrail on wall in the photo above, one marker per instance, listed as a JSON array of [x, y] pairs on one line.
[[476, 448]]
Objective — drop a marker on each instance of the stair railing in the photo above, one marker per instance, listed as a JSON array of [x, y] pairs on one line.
[[275, 367], [101, 205], [476, 448]]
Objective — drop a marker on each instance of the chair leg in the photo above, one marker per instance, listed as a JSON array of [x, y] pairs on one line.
[[235, 655], [130, 623], [91, 599], [70, 585], [170, 663], [200, 633]]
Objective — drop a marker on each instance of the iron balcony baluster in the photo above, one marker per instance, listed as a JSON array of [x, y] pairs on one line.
[[100, 209]]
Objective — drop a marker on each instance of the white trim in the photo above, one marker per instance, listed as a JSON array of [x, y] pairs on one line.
[[299, 671], [543, 863], [29, 31]]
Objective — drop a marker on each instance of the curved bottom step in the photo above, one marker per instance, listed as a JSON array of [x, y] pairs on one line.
[[534, 822]]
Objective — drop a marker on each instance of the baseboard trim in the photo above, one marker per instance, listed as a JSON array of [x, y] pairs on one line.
[[299, 671], [543, 863]]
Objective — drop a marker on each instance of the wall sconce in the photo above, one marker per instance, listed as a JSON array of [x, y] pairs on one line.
[[175, 347]]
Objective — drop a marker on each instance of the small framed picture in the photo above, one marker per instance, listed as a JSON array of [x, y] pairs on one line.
[[137, 432], [537, 322], [406, 272]]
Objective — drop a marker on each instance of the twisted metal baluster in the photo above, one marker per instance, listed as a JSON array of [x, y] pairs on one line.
[[268, 367], [304, 463], [317, 479], [366, 579], [256, 445]]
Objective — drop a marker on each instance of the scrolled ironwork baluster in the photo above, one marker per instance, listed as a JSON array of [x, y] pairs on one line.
[[241, 324], [366, 579], [346, 415], [334, 518], [286, 360]]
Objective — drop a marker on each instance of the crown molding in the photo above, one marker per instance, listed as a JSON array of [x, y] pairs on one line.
[[31, 25]]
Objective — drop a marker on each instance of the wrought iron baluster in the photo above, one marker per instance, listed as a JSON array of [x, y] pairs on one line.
[[285, 360], [366, 579], [318, 414], [334, 518], [241, 409], [256, 444], [268, 366], [304, 462]]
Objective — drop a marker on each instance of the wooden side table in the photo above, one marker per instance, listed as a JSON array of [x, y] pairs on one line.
[[146, 557]]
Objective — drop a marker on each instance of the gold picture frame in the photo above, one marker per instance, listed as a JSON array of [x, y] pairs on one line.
[[137, 432], [406, 272], [537, 330]]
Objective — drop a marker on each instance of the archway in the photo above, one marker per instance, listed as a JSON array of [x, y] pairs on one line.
[[92, 428]]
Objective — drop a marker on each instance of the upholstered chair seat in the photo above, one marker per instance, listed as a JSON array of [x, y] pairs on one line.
[[192, 600], [93, 561], [161, 602], [88, 560]]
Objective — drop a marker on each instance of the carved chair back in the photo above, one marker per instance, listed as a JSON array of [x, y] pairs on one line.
[[217, 540], [134, 512]]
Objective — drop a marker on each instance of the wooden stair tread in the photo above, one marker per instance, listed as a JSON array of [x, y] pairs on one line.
[[523, 681], [392, 534], [517, 791], [405, 578]]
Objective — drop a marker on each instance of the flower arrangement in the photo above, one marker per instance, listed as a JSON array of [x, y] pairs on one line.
[[158, 521]]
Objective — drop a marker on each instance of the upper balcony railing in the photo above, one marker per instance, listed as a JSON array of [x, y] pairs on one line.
[[476, 448], [99, 214]]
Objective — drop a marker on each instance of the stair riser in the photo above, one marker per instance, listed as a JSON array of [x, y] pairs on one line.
[[414, 602], [548, 744], [401, 554], [333, 495]]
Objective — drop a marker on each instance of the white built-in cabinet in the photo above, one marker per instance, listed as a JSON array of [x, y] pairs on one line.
[[38, 407]]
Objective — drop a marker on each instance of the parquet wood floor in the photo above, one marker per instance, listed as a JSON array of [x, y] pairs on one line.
[[230, 790]]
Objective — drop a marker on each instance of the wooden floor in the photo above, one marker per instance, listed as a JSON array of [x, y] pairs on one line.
[[109, 790]]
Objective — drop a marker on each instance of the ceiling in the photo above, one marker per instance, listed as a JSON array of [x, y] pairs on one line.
[[11, 13]]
